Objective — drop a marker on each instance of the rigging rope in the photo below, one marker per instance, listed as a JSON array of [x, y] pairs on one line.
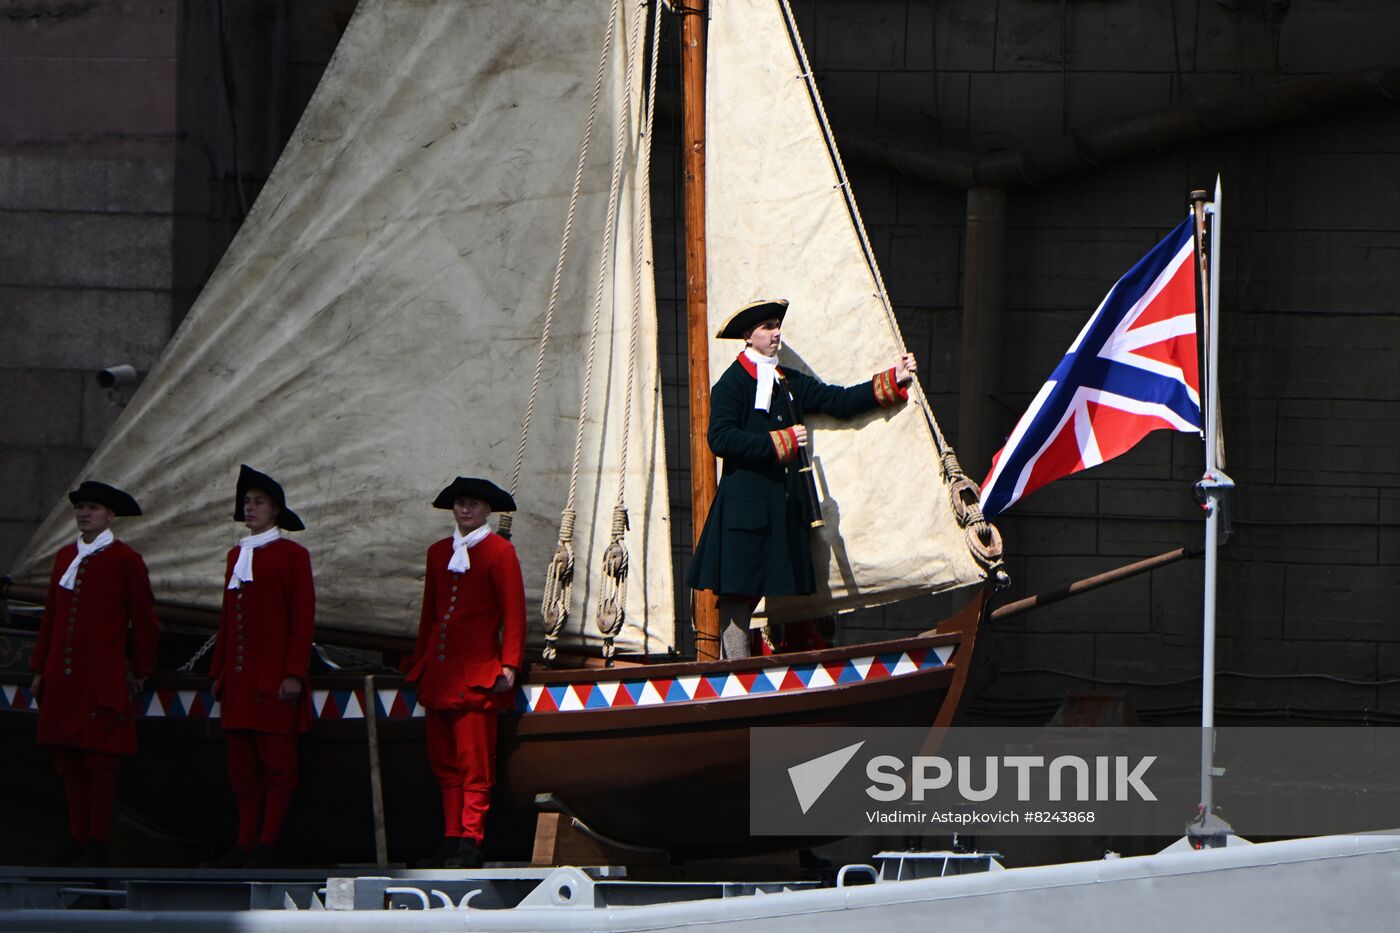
[[612, 597], [559, 578], [503, 527], [983, 539], [203, 650]]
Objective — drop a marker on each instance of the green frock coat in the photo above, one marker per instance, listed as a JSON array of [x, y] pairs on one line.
[[756, 538]]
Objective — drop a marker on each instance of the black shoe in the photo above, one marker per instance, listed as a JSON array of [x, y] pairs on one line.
[[70, 852], [262, 856], [468, 855], [233, 858], [94, 855], [445, 850]]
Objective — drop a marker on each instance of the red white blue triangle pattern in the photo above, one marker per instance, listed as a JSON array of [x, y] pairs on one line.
[[565, 698], [402, 702], [13, 696]]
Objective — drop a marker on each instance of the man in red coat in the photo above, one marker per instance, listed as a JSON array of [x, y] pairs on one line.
[[471, 640], [96, 645], [259, 665]]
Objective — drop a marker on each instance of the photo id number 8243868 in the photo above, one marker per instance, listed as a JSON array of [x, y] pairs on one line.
[[1058, 816]]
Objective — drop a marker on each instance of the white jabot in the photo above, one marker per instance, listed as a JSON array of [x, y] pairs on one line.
[[243, 568], [70, 576], [460, 562], [767, 368]]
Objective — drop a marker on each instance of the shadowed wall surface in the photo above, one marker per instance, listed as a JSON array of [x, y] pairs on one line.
[[133, 135]]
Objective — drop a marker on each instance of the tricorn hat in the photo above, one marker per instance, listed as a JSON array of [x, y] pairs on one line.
[[751, 315], [472, 488], [249, 478], [119, 502]]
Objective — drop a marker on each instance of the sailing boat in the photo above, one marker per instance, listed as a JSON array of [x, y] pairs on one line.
[[450, 271]]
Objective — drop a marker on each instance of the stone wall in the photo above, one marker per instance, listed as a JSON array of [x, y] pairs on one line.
[[1309, 609], [134, 134], [128, 156]]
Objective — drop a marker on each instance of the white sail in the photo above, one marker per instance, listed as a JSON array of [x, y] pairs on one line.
[[778, 226], [372, 331]]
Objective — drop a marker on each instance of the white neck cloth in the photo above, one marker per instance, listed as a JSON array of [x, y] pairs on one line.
[[460, 562], [243, 568], [70, 576], [767, 369]]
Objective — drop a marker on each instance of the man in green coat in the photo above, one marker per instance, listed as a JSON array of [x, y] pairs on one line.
[[756, 538]]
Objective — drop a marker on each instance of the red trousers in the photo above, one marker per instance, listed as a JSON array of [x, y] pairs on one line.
[[262, 768], [90, 784], [462, 752]]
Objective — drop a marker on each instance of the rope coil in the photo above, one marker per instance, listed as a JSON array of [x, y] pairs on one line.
[[983, 538], [612, 599], [559, 586]]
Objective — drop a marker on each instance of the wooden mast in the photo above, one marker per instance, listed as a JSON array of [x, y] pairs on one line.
[[705, 610]]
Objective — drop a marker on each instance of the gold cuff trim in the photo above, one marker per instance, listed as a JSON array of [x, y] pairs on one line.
[[783, 444]]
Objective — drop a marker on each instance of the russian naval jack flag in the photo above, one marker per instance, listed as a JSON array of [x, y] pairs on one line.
[[1132, 370]]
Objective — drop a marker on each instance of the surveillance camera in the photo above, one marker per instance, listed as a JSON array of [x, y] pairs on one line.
[[113, 377]]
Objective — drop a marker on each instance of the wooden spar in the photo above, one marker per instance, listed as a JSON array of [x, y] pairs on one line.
[[376, 782], [705, 610], [1093, 583]]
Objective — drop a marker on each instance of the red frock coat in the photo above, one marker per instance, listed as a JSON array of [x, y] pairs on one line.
[[472, 623], [82, 649], [265, 633]]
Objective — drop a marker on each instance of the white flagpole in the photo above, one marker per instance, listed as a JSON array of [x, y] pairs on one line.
[[1209, 831]]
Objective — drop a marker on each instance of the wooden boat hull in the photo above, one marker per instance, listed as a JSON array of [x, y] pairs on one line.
[[631, 750]]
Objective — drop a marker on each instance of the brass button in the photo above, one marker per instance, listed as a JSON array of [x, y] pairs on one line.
[[67, 670], [238, 670], [442, 657], [238, 618]]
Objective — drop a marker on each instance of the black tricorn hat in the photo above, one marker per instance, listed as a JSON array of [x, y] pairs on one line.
[[472, 488], [751, 315], [119, 502], [249, 478]]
